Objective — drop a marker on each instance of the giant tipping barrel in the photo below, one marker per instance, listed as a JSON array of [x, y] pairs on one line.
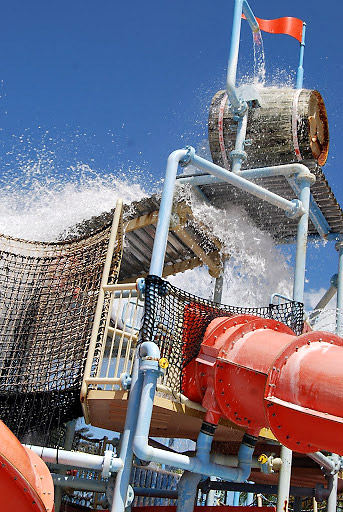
[[257, 373], [290, 126]]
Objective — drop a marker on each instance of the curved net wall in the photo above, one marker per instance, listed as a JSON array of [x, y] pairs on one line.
[[177, 320], [49, 293]]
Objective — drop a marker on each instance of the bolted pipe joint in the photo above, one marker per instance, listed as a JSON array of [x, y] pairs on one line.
[[297, 209], [306, 175], [188, 158]]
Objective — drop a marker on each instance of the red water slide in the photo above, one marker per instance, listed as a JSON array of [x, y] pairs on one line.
[[257, 373], [25, 481]]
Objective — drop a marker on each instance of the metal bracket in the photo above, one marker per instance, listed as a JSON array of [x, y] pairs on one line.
[[125, 381], [297, 209]]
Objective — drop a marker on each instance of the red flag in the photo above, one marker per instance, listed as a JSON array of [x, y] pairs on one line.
[[290, 26]]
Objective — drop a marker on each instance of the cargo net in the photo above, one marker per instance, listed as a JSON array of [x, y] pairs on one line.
[[176, 321], [48, 293]]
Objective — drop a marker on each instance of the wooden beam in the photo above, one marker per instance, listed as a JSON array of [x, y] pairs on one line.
[[176, 268], [141, 222], [212, 260]]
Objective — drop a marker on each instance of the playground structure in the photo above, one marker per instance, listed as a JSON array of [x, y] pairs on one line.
[[196, 369]]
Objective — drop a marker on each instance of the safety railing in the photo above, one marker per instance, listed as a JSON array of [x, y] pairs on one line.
[[115, 348]]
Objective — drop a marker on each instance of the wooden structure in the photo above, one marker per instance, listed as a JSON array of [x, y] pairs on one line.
[[290, 126]]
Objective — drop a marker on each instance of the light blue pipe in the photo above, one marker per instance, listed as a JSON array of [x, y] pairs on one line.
[[294, 207], [194, 464], [316, 215], [300, 72], [249, 174], [126, 452], [241, 6], [236, 496], [302, 231], [162, 228], [247, 11]]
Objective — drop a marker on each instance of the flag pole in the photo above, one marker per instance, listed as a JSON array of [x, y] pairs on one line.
[[300, 72]]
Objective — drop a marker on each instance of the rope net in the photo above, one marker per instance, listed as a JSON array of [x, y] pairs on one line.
[[49, 293], [177, 320]]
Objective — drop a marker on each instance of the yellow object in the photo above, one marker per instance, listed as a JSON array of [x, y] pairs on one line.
[[263, 458], [163, 362]]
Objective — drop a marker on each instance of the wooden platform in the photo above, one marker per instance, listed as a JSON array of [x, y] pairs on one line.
[[107, 409]]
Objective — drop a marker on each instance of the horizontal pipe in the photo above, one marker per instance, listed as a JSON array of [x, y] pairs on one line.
[[77, 459], [246, 185], [171, 494], [79, 484], [119, 287], [325, 462], [144, 451], [259, 172], [86, 484], [257, 488]]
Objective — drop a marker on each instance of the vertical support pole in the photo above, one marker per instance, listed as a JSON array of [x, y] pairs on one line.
[[163, 221], [126, 451], [236, 496], [339, 310], [259, 500], [298, 295], [314, 505], [156, 268], [300, 72], [211, 494], [218, 289], [68, 444], [332, 486], [297, 504], [284, 480]]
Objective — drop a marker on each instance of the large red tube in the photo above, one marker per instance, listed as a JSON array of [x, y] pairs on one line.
[[25, 481], [257, 373]]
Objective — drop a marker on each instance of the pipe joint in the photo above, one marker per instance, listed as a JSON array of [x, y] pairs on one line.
[[140, 285], [188, 158], [306, 176], [297, 209], [237, 155], [149, 350]]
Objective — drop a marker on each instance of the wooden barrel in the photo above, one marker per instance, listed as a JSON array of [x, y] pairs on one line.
[[290, 126]]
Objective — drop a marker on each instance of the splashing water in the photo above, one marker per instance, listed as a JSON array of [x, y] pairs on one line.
[[259, 59], [35, 204], [255, 267]]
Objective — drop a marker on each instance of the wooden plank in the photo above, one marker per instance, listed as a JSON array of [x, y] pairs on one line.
[[212, 261], [107, 409]]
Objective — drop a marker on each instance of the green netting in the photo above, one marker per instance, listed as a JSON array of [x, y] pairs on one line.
[[48, 293]]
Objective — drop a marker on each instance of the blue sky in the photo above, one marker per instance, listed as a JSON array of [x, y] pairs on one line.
[[118, 84]]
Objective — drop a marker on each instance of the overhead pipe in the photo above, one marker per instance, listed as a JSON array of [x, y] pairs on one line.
[[107, 463], [294, 208], [241, 6]]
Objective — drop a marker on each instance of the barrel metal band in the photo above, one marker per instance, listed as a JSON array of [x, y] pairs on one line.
[[295, 125], [221, 131]]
